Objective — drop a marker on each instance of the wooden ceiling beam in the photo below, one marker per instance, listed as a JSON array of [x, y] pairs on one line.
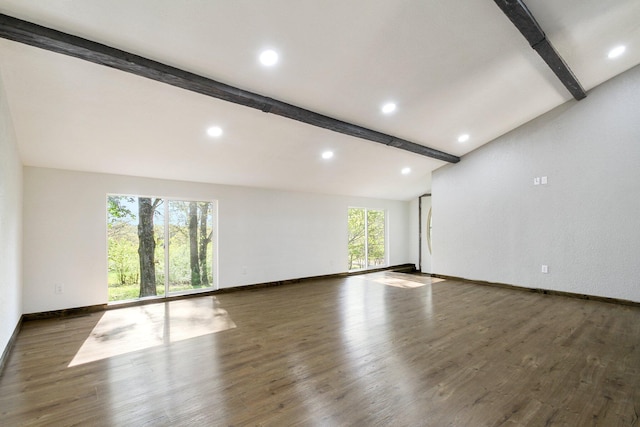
[[56, 41], [524, 21]]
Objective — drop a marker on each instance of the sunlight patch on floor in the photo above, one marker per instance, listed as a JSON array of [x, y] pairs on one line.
[[126, 330], [406, 281]]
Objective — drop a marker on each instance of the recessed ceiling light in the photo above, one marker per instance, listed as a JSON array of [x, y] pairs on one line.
[[327, 155], [214, 131], [269, 57], [616, 52], [463, 138], [388, 108], [405, 171]]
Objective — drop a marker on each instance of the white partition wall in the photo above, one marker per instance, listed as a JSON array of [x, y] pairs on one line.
[[494, 222], [10, 227]]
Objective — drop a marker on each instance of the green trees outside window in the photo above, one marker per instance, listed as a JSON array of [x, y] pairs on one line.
[[158, 246], [366, 244]]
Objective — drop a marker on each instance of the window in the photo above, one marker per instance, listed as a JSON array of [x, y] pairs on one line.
[[159, 247], [367, 243]]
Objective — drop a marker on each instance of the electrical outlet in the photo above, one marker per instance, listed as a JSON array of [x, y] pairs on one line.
[[543, 180], [545, 268], [536, 180], [57, 288]]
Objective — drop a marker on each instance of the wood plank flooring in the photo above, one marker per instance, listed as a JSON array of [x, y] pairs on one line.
[[383, 349]]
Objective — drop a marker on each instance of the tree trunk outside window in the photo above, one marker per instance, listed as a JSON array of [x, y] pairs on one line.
[[147, 247]]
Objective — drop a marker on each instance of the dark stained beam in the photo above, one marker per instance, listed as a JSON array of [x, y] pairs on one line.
[[49, 39], [522, 18]]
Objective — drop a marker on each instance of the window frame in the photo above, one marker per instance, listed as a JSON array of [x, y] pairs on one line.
[[385, 262], [214, 257]]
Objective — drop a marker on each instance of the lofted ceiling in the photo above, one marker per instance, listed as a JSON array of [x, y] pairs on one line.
[[451, 68]]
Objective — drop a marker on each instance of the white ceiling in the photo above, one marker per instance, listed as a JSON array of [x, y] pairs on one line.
[[451, 67]]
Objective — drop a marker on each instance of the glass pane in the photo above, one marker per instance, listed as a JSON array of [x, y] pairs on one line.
[[356, 238], [131, 232], [375, 238], [190, 253]]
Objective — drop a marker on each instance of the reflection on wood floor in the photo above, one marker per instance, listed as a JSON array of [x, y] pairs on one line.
[[335, 352]]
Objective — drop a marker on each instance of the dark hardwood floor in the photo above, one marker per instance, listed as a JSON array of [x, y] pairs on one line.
[[384, 349]]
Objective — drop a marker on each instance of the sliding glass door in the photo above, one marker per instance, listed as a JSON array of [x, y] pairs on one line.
[[159, 247]]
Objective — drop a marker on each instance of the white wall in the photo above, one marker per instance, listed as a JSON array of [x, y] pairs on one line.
[[491, 223], [276, 235], [10, 226]]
